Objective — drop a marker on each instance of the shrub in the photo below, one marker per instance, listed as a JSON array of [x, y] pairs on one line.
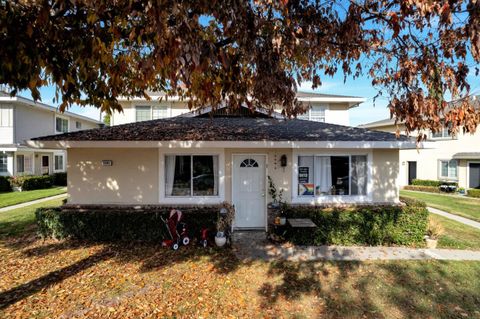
[[119, 223], [473, 193], [434, 183], [5, 184], [430, 189], [28, 183], [60, 179], [369, 225]]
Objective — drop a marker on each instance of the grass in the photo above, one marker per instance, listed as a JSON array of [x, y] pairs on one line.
[[16, 221], [52, 279], [461, 206], [457, 235], [13, 198]]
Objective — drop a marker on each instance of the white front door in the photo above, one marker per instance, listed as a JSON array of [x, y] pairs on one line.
[[249, 191]]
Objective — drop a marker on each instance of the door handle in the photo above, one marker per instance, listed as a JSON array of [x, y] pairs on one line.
[[263, 195]]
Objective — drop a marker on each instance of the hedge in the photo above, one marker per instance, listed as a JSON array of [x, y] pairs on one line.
[[430, 189], [120, 224], [5, 184], [473, 193], [369, 225], [60, 179], [434, 183], [28, 183]]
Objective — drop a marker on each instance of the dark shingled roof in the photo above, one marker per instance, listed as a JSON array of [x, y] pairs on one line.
[[226, 129]]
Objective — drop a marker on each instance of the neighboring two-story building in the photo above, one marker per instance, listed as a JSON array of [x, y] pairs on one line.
[[22, 119], [449, 158], [326, 108]]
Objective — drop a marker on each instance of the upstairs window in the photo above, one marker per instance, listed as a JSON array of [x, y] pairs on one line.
[[143, 113], [61, 125], [315, 113], [448, 169], [159, 112], [443, 133]]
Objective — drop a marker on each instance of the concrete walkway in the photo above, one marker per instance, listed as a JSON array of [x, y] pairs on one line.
[[457, 218], [33, 202], [254, 245]]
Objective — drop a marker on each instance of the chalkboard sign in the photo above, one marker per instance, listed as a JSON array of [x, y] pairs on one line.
[[303, 175]]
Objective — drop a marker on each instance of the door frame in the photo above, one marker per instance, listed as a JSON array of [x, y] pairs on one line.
[[265, 155], [468, 172], [408, 171], [42, 166]]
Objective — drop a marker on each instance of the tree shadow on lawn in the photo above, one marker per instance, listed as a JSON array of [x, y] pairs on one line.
[[423, 289], [151, 256]]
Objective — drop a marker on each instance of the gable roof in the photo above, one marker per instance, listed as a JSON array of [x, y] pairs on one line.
[[227, 129]]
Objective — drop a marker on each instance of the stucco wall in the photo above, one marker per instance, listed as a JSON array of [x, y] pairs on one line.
[[133, 177]]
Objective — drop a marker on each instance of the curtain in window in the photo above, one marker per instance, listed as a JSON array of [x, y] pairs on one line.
[[452, 169], [28, 164], [359, 175], [169, 174], [323, 174]]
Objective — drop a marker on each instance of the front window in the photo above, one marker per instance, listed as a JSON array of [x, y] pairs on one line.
[[143, 113], [332, 175], [61, 125], [59, 162], [187, 175], [3, 163], [78, 125], [20, 163], [448, 169]]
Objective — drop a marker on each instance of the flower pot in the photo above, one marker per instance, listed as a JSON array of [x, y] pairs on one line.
[[282, 220], [220, 239], [431, 243]]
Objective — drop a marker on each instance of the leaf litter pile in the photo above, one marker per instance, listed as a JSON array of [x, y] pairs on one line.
[[67, 279]]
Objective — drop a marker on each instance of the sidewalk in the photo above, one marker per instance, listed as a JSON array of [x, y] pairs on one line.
[[33, 202], [253, 245], [457, 218]]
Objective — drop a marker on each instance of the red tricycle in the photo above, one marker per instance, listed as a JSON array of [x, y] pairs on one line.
[[176, 229]]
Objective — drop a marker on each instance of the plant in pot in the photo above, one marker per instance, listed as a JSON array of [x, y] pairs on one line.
[[276, 195], [434, 231], [224, 224]]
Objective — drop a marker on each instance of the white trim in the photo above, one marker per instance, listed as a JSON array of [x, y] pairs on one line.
[[226, 144], [439, 169], [232, 169], [63, 162], [335, 199], [195, 200], [467, 185]]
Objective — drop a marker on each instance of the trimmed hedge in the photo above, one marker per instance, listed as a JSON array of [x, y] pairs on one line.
[[473, 193], [5, 184], [434, 183], [120, 224], [60, 179], [369, 225], [28, 183], [430, 189]]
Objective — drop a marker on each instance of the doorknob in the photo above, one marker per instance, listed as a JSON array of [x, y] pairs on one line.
[[263, 195]]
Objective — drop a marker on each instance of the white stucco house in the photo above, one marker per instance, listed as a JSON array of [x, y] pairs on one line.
[[208, 158], [448, 157], [22, 119]]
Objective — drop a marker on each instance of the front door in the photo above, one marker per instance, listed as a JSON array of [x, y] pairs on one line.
[[412, 172], [249, 191], [474, 175], [45, 165]]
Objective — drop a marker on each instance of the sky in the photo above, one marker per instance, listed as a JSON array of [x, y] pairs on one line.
[[362, 87]]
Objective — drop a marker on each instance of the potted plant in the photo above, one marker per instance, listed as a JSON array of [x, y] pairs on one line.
[[461, 191], [434, 231], [224, 224], [276, 195]]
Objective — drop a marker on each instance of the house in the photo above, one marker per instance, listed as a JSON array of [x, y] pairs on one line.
[[206, 159], [22, 119], [321, 108], [450, 158]]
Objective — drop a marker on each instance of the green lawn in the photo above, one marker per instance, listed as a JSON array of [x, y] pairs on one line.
[[457, 235], [17, 221], [461, 206], [13, 198]]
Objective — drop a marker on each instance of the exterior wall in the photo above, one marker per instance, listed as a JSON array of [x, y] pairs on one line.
[[6, 132], [132, 179], [337, 113], [137, 176], [85, 125], [32, 122]]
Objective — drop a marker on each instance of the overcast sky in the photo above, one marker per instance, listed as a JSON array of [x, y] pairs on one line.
[[364, 113]]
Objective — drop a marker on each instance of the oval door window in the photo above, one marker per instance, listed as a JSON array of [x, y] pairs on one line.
[[249, 163]]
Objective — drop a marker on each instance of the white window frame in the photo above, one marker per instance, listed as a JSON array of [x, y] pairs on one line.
[[78, 125], [329, 199], [55, 162], [152, 107], [215, 199], [448, 178], [310, 117], [65, 119], [6, 171], [6, 116]]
